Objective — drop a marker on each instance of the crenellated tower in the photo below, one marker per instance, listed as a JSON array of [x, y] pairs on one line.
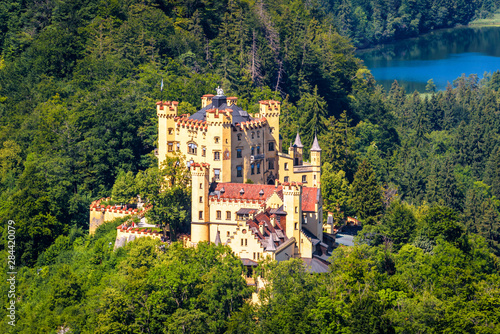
[[292, 200], [271, 111], [200, 214], [166, 112]]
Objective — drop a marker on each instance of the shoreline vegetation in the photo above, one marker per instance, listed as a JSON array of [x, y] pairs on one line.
[[488, 22]]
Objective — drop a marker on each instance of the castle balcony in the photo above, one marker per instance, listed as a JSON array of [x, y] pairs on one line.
[[302, 169], [257, 157]]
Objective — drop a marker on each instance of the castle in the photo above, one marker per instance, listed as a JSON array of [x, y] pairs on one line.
[[245, 192], [239, 148]]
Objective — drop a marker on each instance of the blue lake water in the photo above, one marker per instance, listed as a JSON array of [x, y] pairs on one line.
[[442, 56]]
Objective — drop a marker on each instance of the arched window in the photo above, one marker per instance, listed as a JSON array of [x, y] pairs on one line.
[[192, 148]]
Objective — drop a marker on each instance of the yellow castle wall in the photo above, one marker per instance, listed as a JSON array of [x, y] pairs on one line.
[[306, 247], [218, 135], [98, 217], [244, 243]]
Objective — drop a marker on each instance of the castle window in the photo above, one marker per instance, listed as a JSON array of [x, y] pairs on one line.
[[228, 215], [254, 256], [216, 140], [258, 168], [252, 169], [258, 149], [201, 185], [296, 209], [271, 146], [170, 131], [201, 199], [239, 153], [239, 136], [244, 242], [192, 148], [203, 151], [304, 179], [258, 134], [228, 234], [219, 215], [314, 176], [253, 150], [200, 215], [296, 226], [286, 165], [178, 147], [216, 156], [271, 130], [217, 174], [271, 164], [239, 171], [170, 147], [253, 135], [286, 179], [296, 162]]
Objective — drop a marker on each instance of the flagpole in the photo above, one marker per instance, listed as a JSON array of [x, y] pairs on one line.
[[161, 90]]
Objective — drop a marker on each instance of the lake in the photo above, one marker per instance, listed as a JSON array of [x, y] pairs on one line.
[[441, 55]]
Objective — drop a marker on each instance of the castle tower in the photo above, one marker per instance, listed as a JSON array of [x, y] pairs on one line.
[[166, 111], [292, 200], [295, 151], [315, 153], [226, 152], [206, 100], [271, 111], [219, 120], [200, 212]]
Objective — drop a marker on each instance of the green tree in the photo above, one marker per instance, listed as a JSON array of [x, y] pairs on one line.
[[170, 196], [442, 221], [335, 192], [399, 223], [366, 194], [124, 188], [314, 111]]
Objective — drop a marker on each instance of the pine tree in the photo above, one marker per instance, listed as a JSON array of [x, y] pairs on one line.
[[366, 194], [314, 112]]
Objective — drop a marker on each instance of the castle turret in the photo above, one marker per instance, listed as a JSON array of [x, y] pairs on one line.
[[315, 154], [295, 151], [166, 111], [271, 111], [200, 214], [206, 100]]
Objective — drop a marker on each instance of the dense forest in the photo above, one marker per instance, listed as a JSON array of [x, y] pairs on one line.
[[78, 84], [369, 22]]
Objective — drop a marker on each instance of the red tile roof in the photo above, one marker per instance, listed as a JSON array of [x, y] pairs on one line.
[[309, 199], [251, 191]]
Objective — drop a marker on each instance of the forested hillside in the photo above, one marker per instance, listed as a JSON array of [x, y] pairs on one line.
[[78, 84], [369, 22]]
